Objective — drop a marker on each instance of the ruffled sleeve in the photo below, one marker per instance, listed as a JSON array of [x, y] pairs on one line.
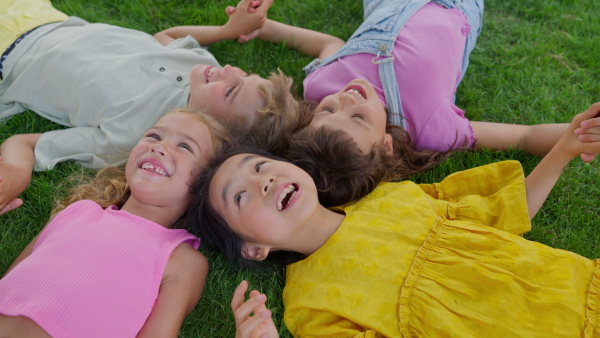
[[492, 195]]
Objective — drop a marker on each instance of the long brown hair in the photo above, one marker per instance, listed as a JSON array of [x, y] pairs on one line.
[[343, 173], [109, 185]]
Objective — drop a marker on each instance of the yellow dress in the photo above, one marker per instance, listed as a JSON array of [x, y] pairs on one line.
[[442, 260]]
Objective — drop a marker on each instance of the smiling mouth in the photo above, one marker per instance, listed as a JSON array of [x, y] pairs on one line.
[[356, 90], [286, 195], [210, 73], [154, 169]]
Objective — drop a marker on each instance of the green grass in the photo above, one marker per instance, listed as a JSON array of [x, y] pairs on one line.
[[536, 61]]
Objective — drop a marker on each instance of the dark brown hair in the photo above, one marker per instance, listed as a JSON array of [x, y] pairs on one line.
[[204, 220], [343, 173]]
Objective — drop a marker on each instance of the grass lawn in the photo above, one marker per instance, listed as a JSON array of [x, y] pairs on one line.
[[536, 61]]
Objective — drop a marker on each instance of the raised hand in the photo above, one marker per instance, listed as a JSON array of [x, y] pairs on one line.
[[261, 323], [247, 18]]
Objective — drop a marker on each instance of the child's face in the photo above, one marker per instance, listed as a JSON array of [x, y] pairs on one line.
[[226, 92], [357, 111], [267, 202], [160, 165]]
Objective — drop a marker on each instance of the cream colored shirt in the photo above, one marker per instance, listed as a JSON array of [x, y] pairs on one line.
[[108, 84]]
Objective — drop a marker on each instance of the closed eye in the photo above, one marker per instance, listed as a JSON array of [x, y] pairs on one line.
[[229, 91], [238, 197], [259, 165], [185, 146], [359, 116], [325, 110]]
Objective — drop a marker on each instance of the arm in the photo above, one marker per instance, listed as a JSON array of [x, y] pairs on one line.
[[536, 139], [180, 291], [249, 16], [582, 136], [261, 324], [309, 42], [17, 163]]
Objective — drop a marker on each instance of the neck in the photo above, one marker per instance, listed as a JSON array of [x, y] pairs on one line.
[[156, 214], [321, 228]]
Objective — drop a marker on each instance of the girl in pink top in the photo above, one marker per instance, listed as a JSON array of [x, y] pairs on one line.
[[115, 259], [392, 85]]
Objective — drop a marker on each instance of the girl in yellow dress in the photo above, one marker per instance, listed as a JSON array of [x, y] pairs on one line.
[[409, 260]]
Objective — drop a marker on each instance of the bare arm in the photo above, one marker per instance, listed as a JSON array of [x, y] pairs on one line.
[[180, 290], [18, 161], [536, 139], [542, 179], [309, 42], [249, 16]]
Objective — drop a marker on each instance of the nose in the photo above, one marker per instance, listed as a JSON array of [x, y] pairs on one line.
[[265, 184], [347, 99], [158, 148]]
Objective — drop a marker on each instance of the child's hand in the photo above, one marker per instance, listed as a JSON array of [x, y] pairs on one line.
[[12, 184], [247, 18], [589, 131], [582, 138], [260, 324]]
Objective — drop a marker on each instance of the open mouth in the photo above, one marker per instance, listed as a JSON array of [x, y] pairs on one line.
[[153, 168], [356, 90], [208, 73], [286, 195]]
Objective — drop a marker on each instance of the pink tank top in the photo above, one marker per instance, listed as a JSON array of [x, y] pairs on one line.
[[428, 62], [92, 273]]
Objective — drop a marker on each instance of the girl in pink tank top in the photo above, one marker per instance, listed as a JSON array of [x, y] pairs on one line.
[[115, 259]]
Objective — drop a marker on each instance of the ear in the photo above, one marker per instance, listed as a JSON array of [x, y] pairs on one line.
[[388, 143], [254, 252]]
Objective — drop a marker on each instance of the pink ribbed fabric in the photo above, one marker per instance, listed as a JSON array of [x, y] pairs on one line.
[[92, 273]]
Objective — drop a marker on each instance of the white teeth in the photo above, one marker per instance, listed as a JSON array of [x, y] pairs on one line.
[[283, 194], [354, 91], [155, 169], [210, 73]]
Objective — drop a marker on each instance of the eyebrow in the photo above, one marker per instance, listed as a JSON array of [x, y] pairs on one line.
[[225, 191]]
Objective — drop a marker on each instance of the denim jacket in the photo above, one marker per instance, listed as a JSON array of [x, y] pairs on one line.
[[376, 35]]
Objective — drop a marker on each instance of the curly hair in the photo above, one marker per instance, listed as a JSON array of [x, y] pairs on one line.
[[279, 119], [109, 185]]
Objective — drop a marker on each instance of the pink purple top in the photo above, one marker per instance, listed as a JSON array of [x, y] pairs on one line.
[[92, 272], [428, 55]]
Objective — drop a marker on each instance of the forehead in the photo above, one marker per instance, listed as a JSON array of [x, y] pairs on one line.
[[226, 171], [251, 97], [188, 126]]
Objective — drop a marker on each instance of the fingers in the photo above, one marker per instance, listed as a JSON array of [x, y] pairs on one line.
[[229, 10], [254, 323], [243, 312], [239, 295], [17, 202], [588, 157], [264, 6]]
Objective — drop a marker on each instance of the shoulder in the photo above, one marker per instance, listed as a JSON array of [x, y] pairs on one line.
[[185, 260]]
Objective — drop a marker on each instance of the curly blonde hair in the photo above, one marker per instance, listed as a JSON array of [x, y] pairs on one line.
[[109, 185]]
